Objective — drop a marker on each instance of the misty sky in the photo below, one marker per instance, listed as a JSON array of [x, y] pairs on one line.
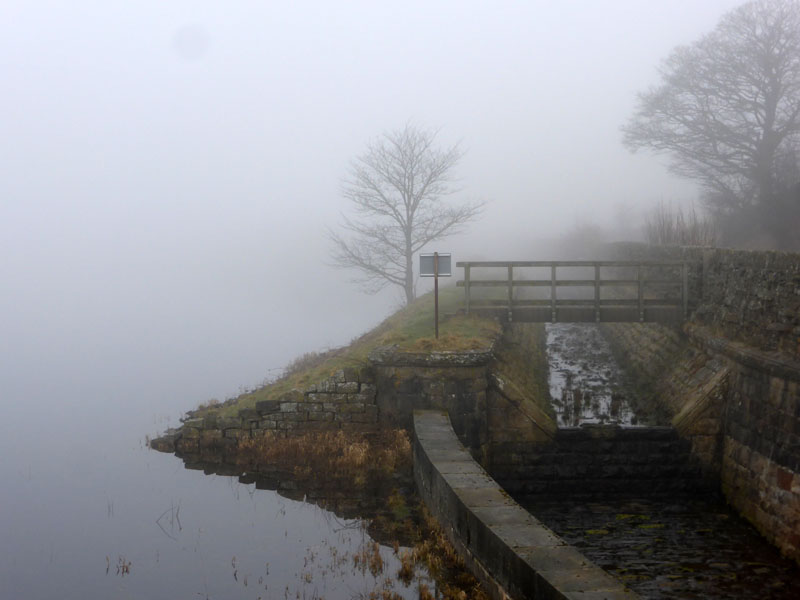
[[169, 168]]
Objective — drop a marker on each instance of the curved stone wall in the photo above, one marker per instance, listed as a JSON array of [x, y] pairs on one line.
[[507, 548]]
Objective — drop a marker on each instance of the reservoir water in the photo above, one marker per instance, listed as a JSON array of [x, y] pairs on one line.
[[88, 511]]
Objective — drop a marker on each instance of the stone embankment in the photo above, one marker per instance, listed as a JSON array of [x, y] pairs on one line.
[[346, 400], [493, 400], [731, 377]]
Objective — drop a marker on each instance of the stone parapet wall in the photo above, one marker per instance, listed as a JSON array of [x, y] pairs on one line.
[[753, 297]]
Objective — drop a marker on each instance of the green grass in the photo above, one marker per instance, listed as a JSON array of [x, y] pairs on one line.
[[410, 329]]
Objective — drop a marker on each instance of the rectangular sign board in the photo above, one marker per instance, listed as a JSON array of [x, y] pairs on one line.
[[426, 265]]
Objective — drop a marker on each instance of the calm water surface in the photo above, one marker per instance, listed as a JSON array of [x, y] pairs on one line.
[[88, 511]]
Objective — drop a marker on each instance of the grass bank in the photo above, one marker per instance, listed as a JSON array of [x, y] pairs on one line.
[[410, 329]]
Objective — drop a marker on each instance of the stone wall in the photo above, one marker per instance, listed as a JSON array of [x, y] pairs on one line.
[[732, 379], [591, 461], [761, 454], [519, 413], [346, 400], [497, 399], [677, 378], [753, 297], [455, 382], [742, 295], [385, 393]]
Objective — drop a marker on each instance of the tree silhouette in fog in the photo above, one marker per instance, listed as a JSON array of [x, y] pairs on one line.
[[398, 189], [727, 112]]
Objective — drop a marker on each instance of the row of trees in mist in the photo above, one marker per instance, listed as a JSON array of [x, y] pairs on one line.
[[726, 112]]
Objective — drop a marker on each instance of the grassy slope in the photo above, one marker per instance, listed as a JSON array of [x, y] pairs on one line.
[[411, 329]]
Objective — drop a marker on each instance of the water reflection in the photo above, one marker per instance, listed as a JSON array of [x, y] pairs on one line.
[[587, 385], [360, 557], [121, 521]]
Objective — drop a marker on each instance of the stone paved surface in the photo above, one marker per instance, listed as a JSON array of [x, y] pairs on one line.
[[683, 548]]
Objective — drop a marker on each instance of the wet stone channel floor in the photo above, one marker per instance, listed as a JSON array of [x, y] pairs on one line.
[[674, 547], [663, 547]]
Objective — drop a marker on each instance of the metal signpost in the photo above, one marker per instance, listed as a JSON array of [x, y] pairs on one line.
[[435, 265]]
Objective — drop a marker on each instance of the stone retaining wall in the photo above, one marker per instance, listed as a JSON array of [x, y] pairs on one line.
[[732, 379], [346, 400], [455, 382], [385, 393], [590, 461], [741, 295], [674, 375], [753, 297]]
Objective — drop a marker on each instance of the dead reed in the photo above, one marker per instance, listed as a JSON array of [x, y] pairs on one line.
[[373, 464], [335, 458]]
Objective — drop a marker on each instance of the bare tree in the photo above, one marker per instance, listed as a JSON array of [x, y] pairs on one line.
[[727, 110], [396, 188]]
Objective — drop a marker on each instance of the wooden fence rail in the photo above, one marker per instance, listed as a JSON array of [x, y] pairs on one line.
[[656, 298]]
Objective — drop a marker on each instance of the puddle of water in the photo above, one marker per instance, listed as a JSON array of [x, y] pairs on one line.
[[679, 548]]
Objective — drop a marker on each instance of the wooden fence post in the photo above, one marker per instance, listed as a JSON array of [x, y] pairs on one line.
[[466, 284], [596, 292], [685, 289], [510, 292], [553, 292], [640, 275]]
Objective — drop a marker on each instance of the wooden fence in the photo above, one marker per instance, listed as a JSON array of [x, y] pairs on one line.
[[658, 292]]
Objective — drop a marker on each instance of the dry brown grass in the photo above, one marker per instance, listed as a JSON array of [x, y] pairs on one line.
[[369, 557], [407, 563], [337, 457], [365, 463], [425, 593], [444, 563]]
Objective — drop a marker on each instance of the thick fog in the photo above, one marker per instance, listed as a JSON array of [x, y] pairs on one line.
[[169, 168]]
